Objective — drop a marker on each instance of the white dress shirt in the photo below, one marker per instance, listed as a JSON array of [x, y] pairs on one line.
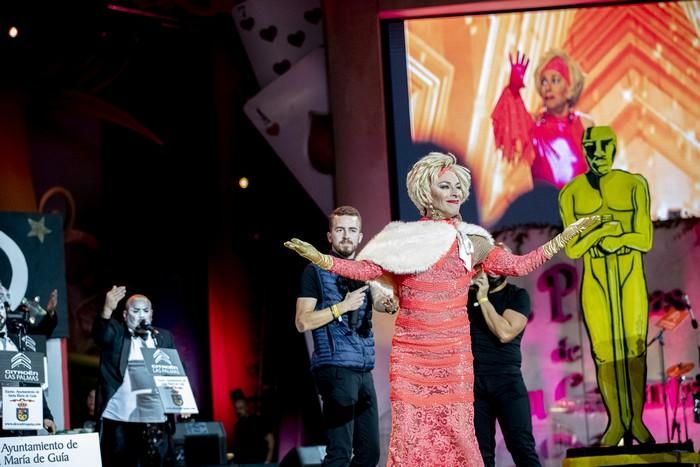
[[137, 398]]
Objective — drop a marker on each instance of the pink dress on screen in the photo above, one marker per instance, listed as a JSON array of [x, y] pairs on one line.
[[550, 144], [432, 372]]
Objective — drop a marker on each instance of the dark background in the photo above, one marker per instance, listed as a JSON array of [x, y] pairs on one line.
[[146, 214]]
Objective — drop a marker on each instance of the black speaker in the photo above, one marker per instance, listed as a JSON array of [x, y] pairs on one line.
[[306, 456], [200, 443]]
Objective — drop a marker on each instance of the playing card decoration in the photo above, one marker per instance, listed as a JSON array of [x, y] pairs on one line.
[[283, 112], [276, 34], [268, 34], [320, 144]]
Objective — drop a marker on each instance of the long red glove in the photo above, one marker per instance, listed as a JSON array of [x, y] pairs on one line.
[[511, 120]]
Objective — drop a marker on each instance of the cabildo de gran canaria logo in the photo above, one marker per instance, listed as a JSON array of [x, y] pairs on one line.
[[16, 373], [163, 365]]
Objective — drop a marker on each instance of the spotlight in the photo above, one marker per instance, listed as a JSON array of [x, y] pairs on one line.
[[243, 182], [13, 32]]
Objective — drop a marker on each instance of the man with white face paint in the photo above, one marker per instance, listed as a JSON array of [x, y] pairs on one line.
[[11, 342], [138, 314], [134, 429]]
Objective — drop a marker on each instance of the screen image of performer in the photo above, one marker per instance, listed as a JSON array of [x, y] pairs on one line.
[[10, 341], [550, 142], [498, 313], [338, 312], [134, 429], [431, 263], [613, 286]]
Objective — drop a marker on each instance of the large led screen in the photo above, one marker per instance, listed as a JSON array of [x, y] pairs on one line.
[[640, 64]]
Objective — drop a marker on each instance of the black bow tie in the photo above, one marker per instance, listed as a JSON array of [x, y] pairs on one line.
[[2, 335], [142, 334]]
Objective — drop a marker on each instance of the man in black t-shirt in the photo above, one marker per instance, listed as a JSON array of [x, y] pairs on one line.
[[338, 313], [498, 313], [253, 441]]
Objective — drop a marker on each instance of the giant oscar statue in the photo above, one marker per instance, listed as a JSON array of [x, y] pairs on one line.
[[613, 288]]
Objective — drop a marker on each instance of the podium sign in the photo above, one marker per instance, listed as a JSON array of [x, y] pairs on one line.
[[79, 450], [171, 381], [176, 394], [163, 362], [22, 367], [22, 409]]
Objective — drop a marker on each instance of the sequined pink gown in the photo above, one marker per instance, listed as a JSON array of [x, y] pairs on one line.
[[432, 374]]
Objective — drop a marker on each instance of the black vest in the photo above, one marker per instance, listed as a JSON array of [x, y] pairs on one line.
[[348, 343]]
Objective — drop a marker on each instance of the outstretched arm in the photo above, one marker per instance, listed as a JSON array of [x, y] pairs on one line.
[[358, 270], [502, 262], [584, 241]]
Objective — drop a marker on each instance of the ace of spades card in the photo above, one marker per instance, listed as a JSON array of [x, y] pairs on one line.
[[277, 33], [281, 112]]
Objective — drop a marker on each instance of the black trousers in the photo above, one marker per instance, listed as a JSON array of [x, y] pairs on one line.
[[136, 444], [350, 417], [504, 398]]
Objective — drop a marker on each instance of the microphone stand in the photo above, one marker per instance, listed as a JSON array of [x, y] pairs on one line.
[[660, 338], [693, 323]]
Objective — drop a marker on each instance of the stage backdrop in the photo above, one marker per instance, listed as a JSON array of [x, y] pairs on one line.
[[31, 260], [557, 366], [641, 64]]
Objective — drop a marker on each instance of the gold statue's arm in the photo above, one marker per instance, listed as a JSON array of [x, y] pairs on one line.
[[582, 242], [642, 236]]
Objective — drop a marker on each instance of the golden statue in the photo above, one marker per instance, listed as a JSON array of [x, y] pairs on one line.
[[613, 287]]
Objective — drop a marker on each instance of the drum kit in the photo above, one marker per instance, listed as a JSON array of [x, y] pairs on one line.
[[668, 322], [679, 372]]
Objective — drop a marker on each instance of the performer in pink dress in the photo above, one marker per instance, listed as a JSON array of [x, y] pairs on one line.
[[551, 142], [429, 265]]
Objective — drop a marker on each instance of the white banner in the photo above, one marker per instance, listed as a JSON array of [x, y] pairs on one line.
[[176, 394], [22, 408], [170, 379], [81, 450]]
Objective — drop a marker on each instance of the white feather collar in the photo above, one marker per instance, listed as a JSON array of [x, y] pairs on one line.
[[412, 247]]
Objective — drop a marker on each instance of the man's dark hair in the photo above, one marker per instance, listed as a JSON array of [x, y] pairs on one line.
[[237, 395], [343, 211]]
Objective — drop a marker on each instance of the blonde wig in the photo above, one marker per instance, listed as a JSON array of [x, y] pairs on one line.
[[575, 73], [426, 171]]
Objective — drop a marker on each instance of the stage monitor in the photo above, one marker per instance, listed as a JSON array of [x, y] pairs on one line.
[[305, 456], [199, 444]]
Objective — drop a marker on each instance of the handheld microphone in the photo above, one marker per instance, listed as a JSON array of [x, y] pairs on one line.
[[349, 285], [693, 321], [143, 328]]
